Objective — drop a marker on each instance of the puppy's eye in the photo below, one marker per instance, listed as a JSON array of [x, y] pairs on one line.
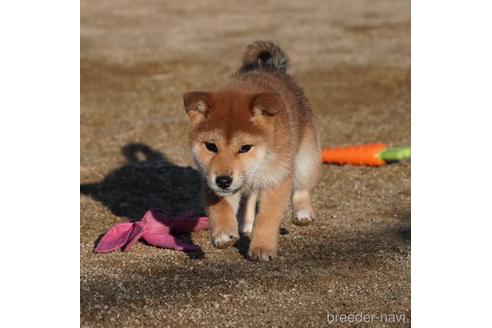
[[245, 148], [211, 147]]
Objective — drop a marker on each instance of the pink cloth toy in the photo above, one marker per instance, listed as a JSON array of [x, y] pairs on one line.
[[155, 228]]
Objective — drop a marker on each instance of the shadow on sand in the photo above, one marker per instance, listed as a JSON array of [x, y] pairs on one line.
[[147, 180]]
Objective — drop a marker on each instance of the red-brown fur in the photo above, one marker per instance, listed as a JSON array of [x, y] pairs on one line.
[[261, 106]]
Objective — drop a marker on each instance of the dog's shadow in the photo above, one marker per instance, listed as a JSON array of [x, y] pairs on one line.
[[147, 180]]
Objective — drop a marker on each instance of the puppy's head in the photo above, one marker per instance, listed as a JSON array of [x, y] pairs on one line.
[[230, 136]]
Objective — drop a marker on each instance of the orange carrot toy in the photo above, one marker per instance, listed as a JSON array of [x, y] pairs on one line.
[[371, 154]]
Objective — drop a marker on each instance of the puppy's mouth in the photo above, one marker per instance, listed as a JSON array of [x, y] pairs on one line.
[[225, 192]]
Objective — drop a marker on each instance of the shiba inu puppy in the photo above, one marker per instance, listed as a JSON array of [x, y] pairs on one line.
[[255, 142]]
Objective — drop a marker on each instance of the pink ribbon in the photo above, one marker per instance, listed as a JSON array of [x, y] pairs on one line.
[[156, 229]]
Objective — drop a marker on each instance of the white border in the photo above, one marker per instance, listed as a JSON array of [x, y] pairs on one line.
[[39, 173], [451, 124]]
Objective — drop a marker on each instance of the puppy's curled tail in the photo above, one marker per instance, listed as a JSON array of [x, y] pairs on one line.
[[264, 56]]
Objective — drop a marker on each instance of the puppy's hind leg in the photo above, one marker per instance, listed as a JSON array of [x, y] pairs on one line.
[[307, 164], [247, 214]]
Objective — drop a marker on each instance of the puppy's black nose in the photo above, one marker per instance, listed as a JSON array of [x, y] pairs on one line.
[[223, 181]]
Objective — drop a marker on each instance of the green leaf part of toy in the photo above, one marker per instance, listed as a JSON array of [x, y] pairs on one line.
[[395, 154]]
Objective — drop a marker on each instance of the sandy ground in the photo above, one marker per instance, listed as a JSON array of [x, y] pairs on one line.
[[138, 57]]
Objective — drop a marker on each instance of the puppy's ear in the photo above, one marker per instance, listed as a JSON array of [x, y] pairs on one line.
[[266, 104], [197, 105]]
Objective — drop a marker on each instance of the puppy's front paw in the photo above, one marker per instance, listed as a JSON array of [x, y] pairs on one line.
[[224, 239], [302, 217], [261, 253]]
